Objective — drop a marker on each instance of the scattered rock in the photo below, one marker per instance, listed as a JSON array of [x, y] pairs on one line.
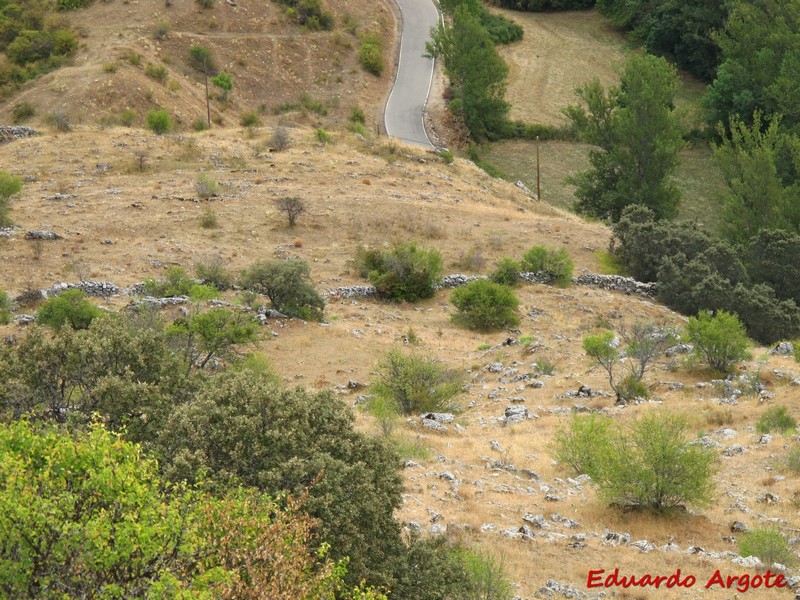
[[739, 527], [749, 562], [768, 498], [439, 417], [611, 538], [537, 520], [15, 132], [515, 414], [734, 450], [23, 319], [783, 349], [42, 235], [765, 439]]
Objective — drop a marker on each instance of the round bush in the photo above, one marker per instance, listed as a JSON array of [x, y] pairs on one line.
[[403, 273], [484, 306], [719, 340], [68, 308], [159, 121], [556, 262], [506, 273]]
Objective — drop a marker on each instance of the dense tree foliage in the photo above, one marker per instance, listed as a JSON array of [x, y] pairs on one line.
[[696, 272], [544, 5], [760, 46], [88, 516], [476, 72], [287, 284], [403, 272], [637, 134]]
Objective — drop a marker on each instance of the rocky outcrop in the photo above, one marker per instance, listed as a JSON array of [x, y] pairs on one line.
[[9, 133]]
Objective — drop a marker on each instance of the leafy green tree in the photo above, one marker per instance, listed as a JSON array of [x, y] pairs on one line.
[[244, 428], [760, 197], [719, 340], [654, 465], [773, 258], [288, 286], [416, 384], [70, 307], [507, 272], [638, 135], [88, 516], [485, 306], [224, 82], [769, 545], [9, 186], [201, 59], [476, 71], [585, 444], [213, 334]]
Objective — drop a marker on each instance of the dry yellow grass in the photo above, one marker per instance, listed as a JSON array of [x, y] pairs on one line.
[[370, 193]]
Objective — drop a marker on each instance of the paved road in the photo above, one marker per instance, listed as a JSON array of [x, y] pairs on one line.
[[403, 116]]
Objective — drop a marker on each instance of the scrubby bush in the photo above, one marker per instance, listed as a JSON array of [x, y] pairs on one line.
[[10, 185], [201, 58], [584, 445], [213, 272], [208, 220], [72, 4], [293, 207], [506, 273], [776, 418], [414, 384], [224, 82], [279, 140], [371, 55], [159, 121], [5, 308], [174, 283], [485, 306], [157, 72], [654, 465], [719, 340], [767, 544], [249, 119], [403, 272], [206, 187], [555, 262], [70, 307], [288, 286], [22, 111], [322, 136]]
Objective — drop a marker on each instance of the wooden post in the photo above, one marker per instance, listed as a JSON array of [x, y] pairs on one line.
[[538, 173], [208, 100]]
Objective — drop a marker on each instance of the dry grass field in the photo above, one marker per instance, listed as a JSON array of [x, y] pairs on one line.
[[125, 203]]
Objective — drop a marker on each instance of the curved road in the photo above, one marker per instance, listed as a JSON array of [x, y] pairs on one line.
[[403, 116]]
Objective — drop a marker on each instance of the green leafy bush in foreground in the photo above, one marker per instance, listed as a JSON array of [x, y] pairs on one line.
[[485, 306]]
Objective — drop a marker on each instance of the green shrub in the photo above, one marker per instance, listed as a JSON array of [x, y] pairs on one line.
[[506, 273], [371, 55], [358, 116], [72, 4], [201, 58], [199, 292], [70, 307], [32, 46], [213, 272], [206, 3], [10, 185], [224, 82], [654, 465], [584, 445], [322, 136], [206, 187], [719, 340], [555, 262], [174, 283], [159, 121], [59, 120], [5, 308], [200, 124], [446, 156], [791, 461], [767, 544], [208, 220], [249, 119], [287, 284], [22, 111], [415, 384], [157, 72], [403, 272], [776, 418], [161, 30], [127, 117], [485, 306]]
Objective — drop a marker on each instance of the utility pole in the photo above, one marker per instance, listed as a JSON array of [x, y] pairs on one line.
[[538, 173], [208, 100]]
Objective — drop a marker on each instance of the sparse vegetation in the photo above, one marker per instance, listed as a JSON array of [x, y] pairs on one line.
[[10, 186], [157, 72], [209, 220], [5, 308], [776, 418], [59, 121], [249, 119], [201, 58], [412, 383], [159, 122], [206, 186], [322, 136], [213, 272], [127, 117], [292, 207], [280, 139], [22, 111], [485, 306]]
